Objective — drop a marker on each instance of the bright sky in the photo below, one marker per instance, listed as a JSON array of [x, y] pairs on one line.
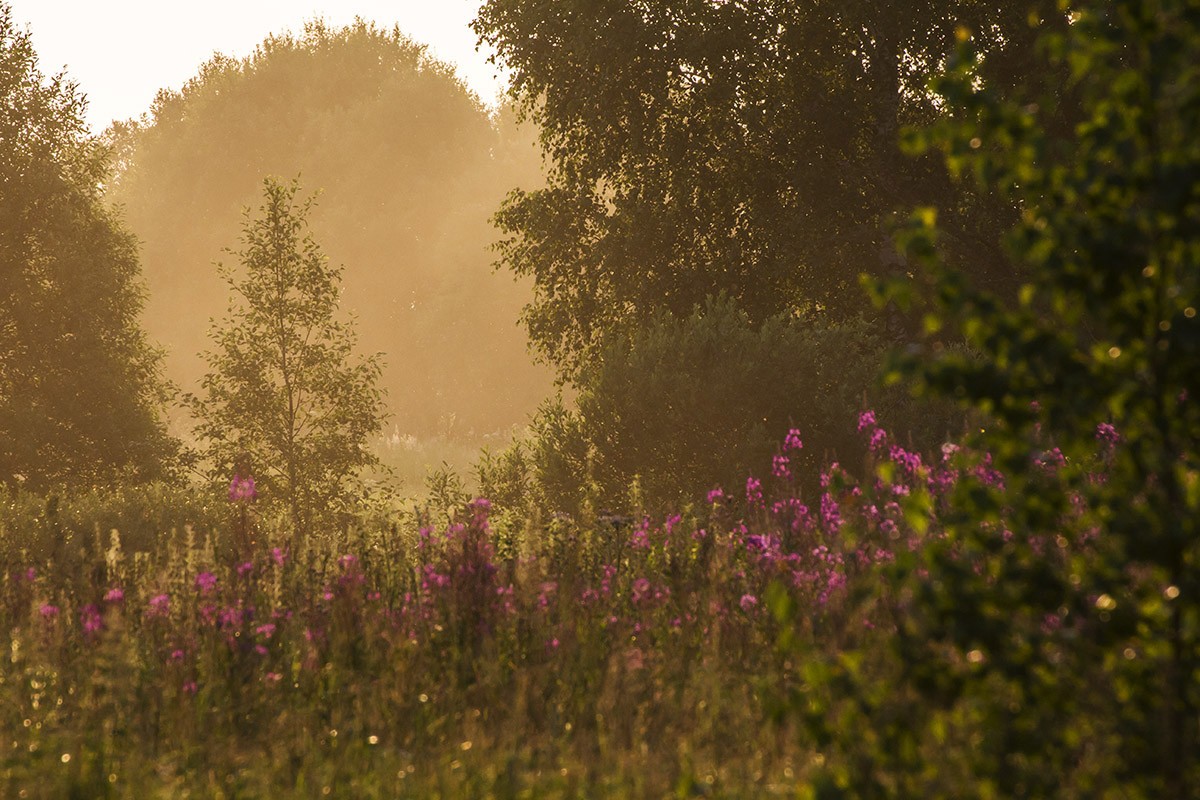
[[121, 52]]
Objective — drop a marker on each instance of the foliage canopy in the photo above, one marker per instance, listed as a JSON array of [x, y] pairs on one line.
[[749, 148], [1056, 626], [80, 390], [286, 392], [410, 165]]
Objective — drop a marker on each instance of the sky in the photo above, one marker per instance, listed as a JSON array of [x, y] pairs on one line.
[[121, 52]]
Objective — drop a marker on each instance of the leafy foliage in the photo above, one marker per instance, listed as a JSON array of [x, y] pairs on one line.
[[1056, 627], [749, 148], [285, 391], [80, 391], [685, 404], [411, 166]]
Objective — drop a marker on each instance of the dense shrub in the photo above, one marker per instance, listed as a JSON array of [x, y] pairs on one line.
[[688, 403]]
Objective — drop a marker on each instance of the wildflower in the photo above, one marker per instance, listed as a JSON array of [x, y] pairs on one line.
[[89, 618], [792, 441], [206, 582], [278, 556], [160, 604], [114, 595], [640, 538], [48, 611], [753, 490], [272, 678], [641, 588], [779, 467], [242, 490], [177, 655], [748, 602], [190, 687], [266, 630], [866, 420], [830, 513], [716, 495], [245, 569], [1108, 434], [30, 574]]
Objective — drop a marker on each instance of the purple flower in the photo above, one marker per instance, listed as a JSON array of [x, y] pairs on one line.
[[278, 556], [242, 490], [748, 602], [792, 441], [830, 513], [716, 495], [160, 604], [114, 595], [89, 618], [866, 420], [266, 630], [206, 582], [641, 588], [48, 611], [779, 467], [245, 569], [1108, 434], [753, 490]]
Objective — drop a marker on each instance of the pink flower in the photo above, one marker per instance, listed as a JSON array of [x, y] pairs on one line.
[[278, 556], [753, 490], [272, 678], [89, 618], [245, 569], [190, 687], [792, 442], [242, 490], [748, 602], [1108, 434], [716, 495], [206, 582], [779, 467], [114, 595], [48, 611], [866, 420], [267, 630], [177, 655], [160, 604]]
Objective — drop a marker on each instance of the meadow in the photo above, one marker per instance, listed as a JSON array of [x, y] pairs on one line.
[[454, 651]]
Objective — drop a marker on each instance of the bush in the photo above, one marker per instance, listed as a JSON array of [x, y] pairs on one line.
[[684, 404]]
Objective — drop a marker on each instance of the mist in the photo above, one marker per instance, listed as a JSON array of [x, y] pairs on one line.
[[409, 166]]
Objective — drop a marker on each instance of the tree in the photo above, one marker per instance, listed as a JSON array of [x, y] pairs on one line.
[[685, 404], [80, 392], [411, 167], [285, 391], [746, 147], [1056, 626]]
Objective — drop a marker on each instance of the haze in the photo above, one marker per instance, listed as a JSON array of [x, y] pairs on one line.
[[122, 52]]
